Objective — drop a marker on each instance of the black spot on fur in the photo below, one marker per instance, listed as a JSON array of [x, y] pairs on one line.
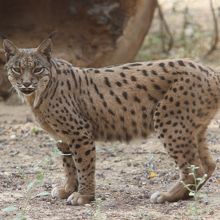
[[122, 74], [109, 70], [145, 72], [133, 78], [107, 82], [135, 64], [181, 63], [171, 64]]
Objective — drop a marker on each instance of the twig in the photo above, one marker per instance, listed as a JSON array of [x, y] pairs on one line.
[[216, 30], [167, 29], [185, 24]]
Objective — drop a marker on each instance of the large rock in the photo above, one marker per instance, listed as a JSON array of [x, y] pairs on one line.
[[90, 32]]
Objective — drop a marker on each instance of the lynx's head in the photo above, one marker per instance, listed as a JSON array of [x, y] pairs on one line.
[[28, 69]]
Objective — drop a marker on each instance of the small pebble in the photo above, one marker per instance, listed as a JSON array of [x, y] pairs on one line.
[[13, 137]]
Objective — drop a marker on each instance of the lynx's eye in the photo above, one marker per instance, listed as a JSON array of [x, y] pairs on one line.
[[16, 70], [38, 70]]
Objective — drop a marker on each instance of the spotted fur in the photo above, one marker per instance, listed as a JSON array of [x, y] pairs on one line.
[[175, 98]]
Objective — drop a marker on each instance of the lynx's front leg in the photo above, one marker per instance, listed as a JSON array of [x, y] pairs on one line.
[[84, 155], [71, 184]]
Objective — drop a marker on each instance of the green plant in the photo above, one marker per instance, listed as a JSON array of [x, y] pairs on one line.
[[198, 181], [193, 189], [35, 130]]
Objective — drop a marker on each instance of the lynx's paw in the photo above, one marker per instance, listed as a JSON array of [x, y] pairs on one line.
[[157, 197], [178, 192], [60, 192], [78, 199]]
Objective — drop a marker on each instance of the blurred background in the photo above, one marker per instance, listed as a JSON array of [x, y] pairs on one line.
[[94, 33]]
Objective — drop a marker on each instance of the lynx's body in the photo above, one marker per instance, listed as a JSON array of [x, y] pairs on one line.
[[78, 106]]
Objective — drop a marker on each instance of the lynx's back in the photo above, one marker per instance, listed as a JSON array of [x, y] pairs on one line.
[[119, 102]]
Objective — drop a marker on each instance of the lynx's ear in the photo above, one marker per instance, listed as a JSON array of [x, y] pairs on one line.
[[9, 48], [45, 47]]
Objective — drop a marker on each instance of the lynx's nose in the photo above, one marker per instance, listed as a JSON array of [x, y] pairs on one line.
[[26, 87], [27, 84]]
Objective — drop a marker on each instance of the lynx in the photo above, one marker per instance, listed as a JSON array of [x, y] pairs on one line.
[[78, 106]]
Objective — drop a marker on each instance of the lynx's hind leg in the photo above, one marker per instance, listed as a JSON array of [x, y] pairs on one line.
[[177, 129], [207, 161]]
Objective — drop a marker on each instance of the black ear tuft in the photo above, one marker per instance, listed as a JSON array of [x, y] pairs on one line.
[[45, 47], [52, 34], [9, 48]]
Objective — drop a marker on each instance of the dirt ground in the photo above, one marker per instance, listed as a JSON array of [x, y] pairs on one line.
[[126, 175]]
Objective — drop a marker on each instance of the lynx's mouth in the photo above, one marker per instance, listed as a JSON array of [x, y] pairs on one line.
[[27, 91]]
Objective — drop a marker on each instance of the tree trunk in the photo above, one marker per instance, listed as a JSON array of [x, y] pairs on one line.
[[91, 33]]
